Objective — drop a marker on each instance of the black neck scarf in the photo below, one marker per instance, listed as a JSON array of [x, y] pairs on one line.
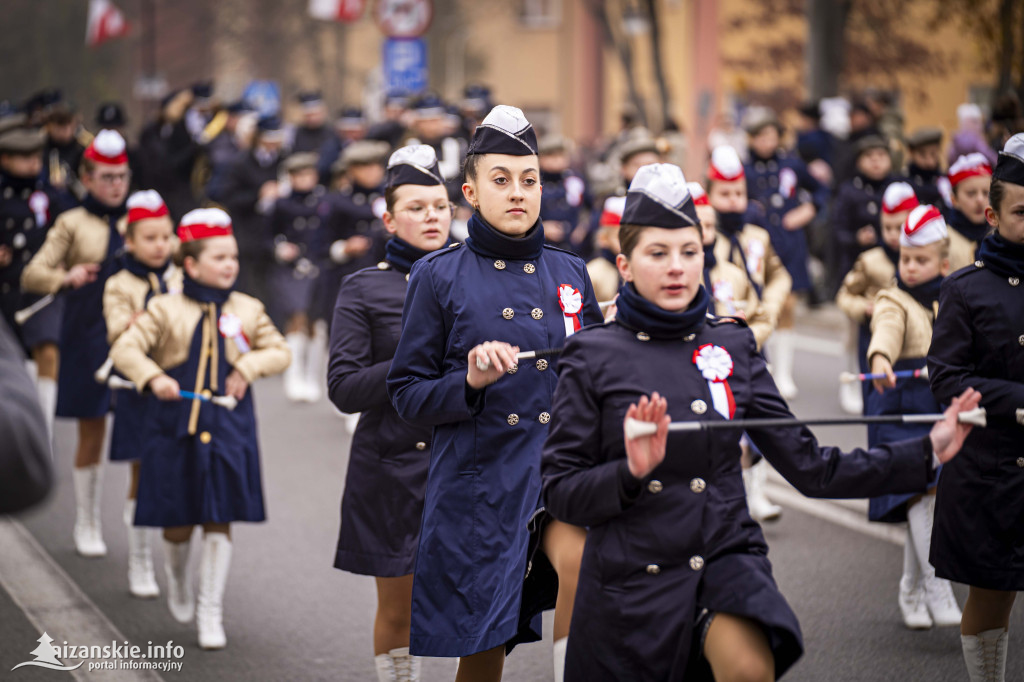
[[925, 293], [111, 214], [892, 254], [709, 263], [487, 241], [401, 254], [1002, 257], [975, 232], [144, 272], [636, 313], [203, 293]]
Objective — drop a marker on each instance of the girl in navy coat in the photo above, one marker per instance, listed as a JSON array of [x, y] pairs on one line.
[[675, 582], [977, 342], [489, 413], [387, 466]]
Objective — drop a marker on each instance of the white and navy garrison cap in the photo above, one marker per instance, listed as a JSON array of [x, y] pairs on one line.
[[659, 197], [1011, 161], [414, 164], [504, 131]]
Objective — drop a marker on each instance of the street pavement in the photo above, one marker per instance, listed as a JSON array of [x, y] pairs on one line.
[[289, 615]]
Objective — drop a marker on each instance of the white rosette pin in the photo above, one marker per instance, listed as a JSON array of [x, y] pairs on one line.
[[715, 365], [571, 301], [230, 326]]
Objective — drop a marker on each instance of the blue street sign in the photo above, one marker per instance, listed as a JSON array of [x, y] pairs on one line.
[[264, 97], [405, 64]]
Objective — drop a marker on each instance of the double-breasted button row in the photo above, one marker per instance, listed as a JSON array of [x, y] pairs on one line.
[[499, 264], [696, 562], [513, 419], [698, 485], [543, 418], [542, 365], [529, 268], [655, 486], [509, 313], [699, 406]]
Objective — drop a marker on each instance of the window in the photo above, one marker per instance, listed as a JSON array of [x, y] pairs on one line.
[[541, 13]]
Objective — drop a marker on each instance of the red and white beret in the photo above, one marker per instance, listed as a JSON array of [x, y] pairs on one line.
[[145, 204], [725, 164], [700, 197], [925, 225], [611, 213], [968, 166], [203, 223], [107, 147], [899, 197]]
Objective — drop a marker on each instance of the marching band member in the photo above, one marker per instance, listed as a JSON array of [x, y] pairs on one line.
[[969, 177], [603, 273]]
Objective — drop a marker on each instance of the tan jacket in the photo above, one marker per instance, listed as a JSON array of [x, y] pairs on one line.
[[763, 263], [901, 328], [871, 272], [605, 278], [76, 237], [961, 251], [124, 295], [734, 296]]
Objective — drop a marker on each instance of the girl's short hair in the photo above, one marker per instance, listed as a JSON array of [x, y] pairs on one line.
[[996, 194], [193, 248]]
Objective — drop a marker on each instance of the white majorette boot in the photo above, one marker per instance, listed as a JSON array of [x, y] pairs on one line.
[[911, 595], [180, 599], [88, 530], [315, 369], [938, 593], [985, 655], [558, 658], [761, 508], [46, 388], [294, 387], [783, 349], [850, 398], [141, 580], [213, 577], [397, 666]]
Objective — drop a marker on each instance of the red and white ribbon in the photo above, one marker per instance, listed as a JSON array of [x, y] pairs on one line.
[[230, 326], [715, 365], [571, 300]]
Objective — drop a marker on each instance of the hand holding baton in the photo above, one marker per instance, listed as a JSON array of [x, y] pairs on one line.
[[116, 382], [21, 316], [850, 377], [103, 373]]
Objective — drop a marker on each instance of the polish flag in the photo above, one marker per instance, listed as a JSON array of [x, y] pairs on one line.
[[336, 10], [106, 21]]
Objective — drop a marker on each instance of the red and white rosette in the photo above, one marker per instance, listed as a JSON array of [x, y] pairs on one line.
[[715, 365], [230, 326], [571, 300]]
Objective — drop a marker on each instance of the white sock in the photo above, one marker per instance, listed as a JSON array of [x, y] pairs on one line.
[[47, 390], [558, 657]]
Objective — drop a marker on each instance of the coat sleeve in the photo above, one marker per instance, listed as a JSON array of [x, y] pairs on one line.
[[952, 354], [117, 310], [423, 393], [851, 299], [270, 353], [131, 350], [44, 274], [818, 471], [843, 231], [354, 381], [777, 282], [758, 318], [888, 329], [578, 487]]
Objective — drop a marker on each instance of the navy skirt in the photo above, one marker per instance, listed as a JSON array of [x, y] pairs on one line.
[[292, 293], [127, 437], [44, 326], [83, 349]]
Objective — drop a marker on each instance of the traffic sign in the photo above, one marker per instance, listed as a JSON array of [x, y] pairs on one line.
[[403, 18], [405, 64]]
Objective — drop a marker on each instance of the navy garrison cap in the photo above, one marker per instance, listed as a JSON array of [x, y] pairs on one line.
[[1011, 161], [414, 164], [659, 197], [504, 131]]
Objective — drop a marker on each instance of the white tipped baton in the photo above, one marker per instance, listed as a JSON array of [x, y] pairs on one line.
[[484, 363], [116, 382], [637, 429], [22, 315], [850, 377], [103, 373]]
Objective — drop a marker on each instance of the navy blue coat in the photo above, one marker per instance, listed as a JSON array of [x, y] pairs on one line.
[[664, 552], [564, 199], [978, 341], [857, 203], [387, 465], [483, 485], [299, 219]]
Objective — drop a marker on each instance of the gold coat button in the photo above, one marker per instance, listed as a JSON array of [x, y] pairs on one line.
[[1020, 416], [1020, 339], [698, 485], [499, 264], [421, 446], [512, 370], [205, 437], [529, 268], [699, 406], [544, 417], [978, 264], [697, 562], [542, 364], [206, 393], [643, 336], [689, 337], [1020, 462], [383, 265], [655, 486], [653, 569], [536, 313], [508, 313], [513, 419], [1014, 281]]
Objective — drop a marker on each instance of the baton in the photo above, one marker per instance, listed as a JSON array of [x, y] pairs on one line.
[[484, 363], [21, 316], [103, 373], [116, 382], [635, 428], [850, 377]]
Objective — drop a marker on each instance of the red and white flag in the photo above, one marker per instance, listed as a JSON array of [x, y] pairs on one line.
[[106, 21], [336, 10]]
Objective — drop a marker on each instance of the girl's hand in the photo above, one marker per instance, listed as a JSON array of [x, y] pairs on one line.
[[879, 365], [236, 385], [495, 356], [286, 252], [797, 218], [647, 452], [165, 388], [948, 435], [80, 275]]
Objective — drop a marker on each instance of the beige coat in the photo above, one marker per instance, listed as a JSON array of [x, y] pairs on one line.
[[763, 263], [605, 278], [734, 296], [124, 295], [961, 251], [871, 272], [77, 237], [901, 328]]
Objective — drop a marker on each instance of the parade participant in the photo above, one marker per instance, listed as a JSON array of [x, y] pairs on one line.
[[65, 145], [924, 166], [223, 147], [396, 117], [82, 250], [313, 130], [970, 177], [873, 270], [387, 466], [977, 538], [349, 127], [669, 541], [603, 274], [638, 149], [564, 199], [148, 272], [296, 226], [28, 207], [901, 329], [489, 413], [167, 154], [202, 466]]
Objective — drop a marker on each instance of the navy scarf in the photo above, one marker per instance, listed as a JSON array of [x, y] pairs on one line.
[[401, 254], [709, 262], [731, 224], [487, 241], [892, 254], [635, 312], [1002, 257], [143, 271], [925, 293], [111, 214], [205, 294], [972, 231]]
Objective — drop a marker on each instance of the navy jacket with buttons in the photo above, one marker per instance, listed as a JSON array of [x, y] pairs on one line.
[[857, 203]]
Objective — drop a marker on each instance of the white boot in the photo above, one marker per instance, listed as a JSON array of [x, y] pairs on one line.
[[985, 655], [47, 390], [782, 362], [213, 577], [938, 593], [88, 530], [911, 595], [294, 388], [851, 399], [397, 666], [558, 657], [180, 599], [761, 508], [315, 370], [141, 579]]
